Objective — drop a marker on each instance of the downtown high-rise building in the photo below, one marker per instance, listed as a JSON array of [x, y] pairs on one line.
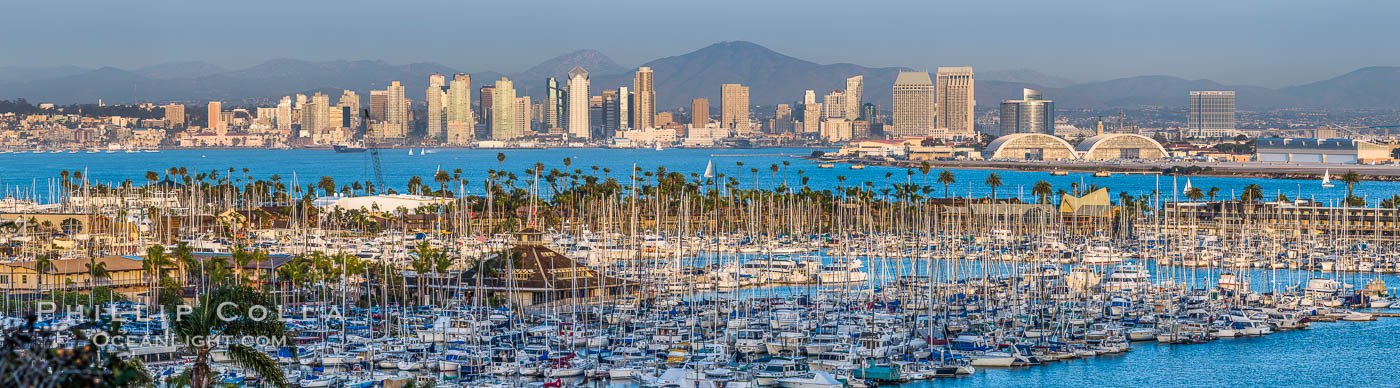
[[956, 101], [349, 104], [699, 112], [782, 119], [625, 107], [523, 116], [503, 111], [378, 100], [436, 116], [1212, 113], [913, 105], [395, 112], [834, 104], [579, 125], [175, 115], [855, 89], [487, 103], [215, 118], [1031, 114], [610, 121], [734, 107], [553, 105], [645, 94], [284, 114], [460, 123]]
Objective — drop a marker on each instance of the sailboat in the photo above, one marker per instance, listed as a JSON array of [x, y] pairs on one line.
[[1327, 179], [1187, 189], [410, 152]]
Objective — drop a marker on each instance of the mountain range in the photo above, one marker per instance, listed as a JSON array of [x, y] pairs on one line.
[[772, 78]]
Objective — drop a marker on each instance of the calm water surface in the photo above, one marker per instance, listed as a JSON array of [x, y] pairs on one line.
[[307, 166]]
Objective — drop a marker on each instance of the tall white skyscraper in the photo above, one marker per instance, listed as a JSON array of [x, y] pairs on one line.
[[503, 111], [1212, 113], [578, 124], [284, 114], [437, 106], [956, 101], [913, 105], [395, 112], [835, 104], [460, 122], [855, 88]]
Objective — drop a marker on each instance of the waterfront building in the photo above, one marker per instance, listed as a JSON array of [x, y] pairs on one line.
[[1120, 146], [645, 90], [459, 110], [1031, 114], [436, 98], [1212, 114], [855, 89], [543, 276], [1029, 146], [699, 112], [956, 103], [1339, 151], [836, 129], [913, 105], [579, 125], [503, 111], [734, 107], [174, 115], [1300, 217]]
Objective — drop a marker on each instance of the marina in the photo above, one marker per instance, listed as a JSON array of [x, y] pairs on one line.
[[552, 274]]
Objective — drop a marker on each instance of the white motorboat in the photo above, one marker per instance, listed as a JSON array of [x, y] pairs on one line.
[[816, 379]]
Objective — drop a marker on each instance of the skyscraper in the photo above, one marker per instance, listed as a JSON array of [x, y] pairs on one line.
[[395, 112], [913, 105], [487, 104], [1212, 114], [611, 111], [553, 104], [215, 115], [597, 114], [734, 106], [956, 101], [782, 119], [699, 112], [624, 109], [523, 115], [579, 125], [1030, 114], [503, 110], [855, 89], [646, 98], [284, 114], [437, 106], [378, 99], [175, 115], [349, 104], [459, 110], [835, 104]]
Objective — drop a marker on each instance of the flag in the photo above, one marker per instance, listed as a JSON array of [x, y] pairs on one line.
[[709, 169]]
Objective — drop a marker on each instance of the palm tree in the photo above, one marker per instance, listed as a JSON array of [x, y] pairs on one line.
[[946, 178], [1351, 178], [154, 267], [1195, 194], [1252, 193], [1214, 191], [414, 183], [993, 181], [1042, 189], [223, 317], [327, 185]]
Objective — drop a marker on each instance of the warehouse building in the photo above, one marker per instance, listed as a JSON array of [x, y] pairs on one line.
[[1336, 151]]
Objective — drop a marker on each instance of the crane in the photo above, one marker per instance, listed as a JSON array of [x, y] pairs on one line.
[[373, 154]]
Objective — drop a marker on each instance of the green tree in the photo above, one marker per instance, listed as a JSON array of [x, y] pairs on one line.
[[1195, 194], [1042, 190], [993, 181], [946, 178], [225, 316]]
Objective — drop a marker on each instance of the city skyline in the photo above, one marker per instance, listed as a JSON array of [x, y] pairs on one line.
[[1166, 38]]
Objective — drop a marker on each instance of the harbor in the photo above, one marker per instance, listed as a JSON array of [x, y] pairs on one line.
[[728, 272]]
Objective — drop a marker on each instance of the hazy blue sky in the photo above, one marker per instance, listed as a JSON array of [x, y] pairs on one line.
[[1266, 43]]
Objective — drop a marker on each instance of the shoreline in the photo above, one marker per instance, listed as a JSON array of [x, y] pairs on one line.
[[1388, 173]]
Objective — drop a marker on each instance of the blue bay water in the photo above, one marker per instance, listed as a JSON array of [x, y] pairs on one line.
[[398, 166]]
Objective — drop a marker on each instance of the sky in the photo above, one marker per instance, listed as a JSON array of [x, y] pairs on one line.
[[1236, 42]]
